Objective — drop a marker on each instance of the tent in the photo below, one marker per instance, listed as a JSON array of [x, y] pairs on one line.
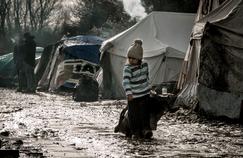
[[165, 38], [212, 72], [65, 62], [8, 74]]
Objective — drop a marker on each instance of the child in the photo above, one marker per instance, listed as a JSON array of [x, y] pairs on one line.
[[136, 86]]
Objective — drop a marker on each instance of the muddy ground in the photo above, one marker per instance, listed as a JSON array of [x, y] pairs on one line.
[[51, 125]]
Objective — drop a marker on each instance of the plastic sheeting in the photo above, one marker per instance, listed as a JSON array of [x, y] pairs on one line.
[[69, 60], [212, 73]]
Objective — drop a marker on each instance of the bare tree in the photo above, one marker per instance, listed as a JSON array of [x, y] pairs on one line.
[[30, 15], [39, 12], [26, 15], [14, 17], [4, 9]]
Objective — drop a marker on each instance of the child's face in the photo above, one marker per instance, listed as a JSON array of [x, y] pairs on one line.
[[133, 61]]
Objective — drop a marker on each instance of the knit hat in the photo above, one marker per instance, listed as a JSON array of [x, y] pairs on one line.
[[135, 50]]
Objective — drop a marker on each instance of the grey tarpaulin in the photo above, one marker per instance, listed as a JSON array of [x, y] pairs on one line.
[[212, 73]]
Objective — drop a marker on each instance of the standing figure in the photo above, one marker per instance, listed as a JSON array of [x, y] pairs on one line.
[[137, 89], [29, 62], [18, 57]]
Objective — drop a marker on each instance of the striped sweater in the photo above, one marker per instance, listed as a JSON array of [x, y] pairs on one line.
[[136, 80]]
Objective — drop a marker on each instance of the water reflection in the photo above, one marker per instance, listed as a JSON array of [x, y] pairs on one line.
[[60, 127]]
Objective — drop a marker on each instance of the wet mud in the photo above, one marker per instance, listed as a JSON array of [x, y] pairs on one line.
[[51, 125]]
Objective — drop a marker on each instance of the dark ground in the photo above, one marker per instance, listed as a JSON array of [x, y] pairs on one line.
[[50, 125]]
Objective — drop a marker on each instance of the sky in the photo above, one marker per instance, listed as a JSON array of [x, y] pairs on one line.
[[134, 8]]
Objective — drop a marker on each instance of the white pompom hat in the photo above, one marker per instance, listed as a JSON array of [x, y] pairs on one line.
[[135, 50]]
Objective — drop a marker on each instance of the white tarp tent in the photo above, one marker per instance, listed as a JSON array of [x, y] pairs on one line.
[[212, 75], [165, 38]]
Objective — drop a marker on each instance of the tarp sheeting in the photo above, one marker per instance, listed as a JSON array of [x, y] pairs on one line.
[[165, 38], [83, 47], [86, 52], [212, 75], [7, 70], [68, 60]]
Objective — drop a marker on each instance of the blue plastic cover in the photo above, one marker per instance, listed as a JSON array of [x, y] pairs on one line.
[[83, 47], [90, 53]]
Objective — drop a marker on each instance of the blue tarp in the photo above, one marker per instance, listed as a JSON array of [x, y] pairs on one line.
[[86, 52], [83, 47]]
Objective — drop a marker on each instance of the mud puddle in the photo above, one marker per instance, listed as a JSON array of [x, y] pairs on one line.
[[49, 125]]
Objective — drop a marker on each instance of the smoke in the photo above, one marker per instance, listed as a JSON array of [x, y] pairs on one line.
[[134, 8]]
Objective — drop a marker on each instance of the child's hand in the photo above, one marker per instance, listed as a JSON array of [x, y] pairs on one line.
[[129, 97]]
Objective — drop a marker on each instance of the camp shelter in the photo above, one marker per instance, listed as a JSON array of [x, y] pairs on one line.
[[8, 74], [165, 37], [68, 59], [212, 76]]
